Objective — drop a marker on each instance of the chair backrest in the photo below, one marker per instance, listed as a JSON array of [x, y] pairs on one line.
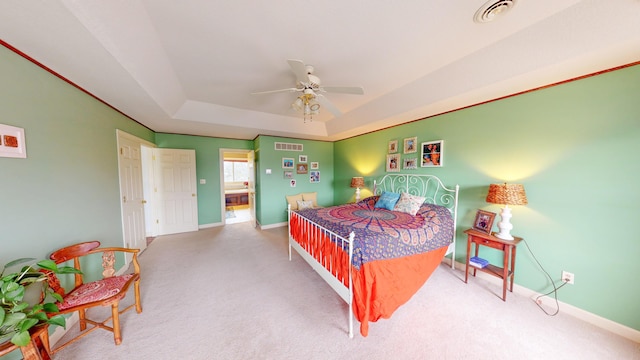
[[73, 251]]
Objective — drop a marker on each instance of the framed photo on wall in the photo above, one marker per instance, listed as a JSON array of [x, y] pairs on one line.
[[288, 174], [393, 146], [314, 177], [287, 163], [302, 158], [411, 163], [315, 165], [12, 142], [484, 221], [432, 152], [302, 168], [393, 163], [411, 145]]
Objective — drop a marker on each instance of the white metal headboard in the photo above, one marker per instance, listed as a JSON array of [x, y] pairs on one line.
[[429, 186]]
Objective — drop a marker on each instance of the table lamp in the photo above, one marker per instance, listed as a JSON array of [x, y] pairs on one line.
[[506, 194], [357, 182]]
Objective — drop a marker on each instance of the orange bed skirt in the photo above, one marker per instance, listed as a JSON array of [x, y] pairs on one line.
[[379, 287]]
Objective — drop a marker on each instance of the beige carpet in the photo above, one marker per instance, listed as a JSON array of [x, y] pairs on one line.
[[231, 293]]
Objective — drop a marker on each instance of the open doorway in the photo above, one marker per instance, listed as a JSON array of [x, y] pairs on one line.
[[237, 173]]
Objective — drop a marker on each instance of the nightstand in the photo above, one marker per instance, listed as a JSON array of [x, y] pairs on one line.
[[508, 247]]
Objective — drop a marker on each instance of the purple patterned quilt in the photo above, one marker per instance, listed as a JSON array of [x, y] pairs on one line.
[[383, 234]]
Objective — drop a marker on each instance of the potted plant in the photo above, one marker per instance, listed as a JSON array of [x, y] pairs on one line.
[[19, 315]]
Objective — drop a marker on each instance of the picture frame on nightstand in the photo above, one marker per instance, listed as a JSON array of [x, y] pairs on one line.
[[484, 221]]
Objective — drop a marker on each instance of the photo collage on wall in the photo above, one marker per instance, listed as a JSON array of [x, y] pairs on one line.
[[302, 167], [430, 154]]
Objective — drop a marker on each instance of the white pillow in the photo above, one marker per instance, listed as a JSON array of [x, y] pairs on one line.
[[409, 204], [305, 204]]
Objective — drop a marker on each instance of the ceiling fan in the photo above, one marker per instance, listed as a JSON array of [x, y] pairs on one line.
[[311, 99]]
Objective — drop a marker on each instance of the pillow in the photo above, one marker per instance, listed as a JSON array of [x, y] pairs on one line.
[[387, 200], [409, 204], [293, 200], [305, 204], [311, 197]]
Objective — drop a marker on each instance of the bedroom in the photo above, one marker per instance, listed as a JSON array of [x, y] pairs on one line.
[[573, 146]]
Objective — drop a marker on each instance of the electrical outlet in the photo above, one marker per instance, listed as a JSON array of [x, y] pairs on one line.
[[567, 277]]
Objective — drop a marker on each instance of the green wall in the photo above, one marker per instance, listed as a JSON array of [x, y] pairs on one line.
[[66, 190], [272, 189], [574, 147], [207, 167]]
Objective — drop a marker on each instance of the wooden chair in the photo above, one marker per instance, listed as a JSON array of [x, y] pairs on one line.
[[107, 291]]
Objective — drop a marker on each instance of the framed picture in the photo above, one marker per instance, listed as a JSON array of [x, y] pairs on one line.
[[302, 158], [315, 165], [314, 177], [411, 163], [288, 174], [292, 183], [393, 146], [393, 163], [12, 142], [302, 168], [287, 163], [484, 221], [432, 152], [411, 145]]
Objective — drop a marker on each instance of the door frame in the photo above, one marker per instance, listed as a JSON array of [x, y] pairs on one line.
[[222, 195], [120, 134]]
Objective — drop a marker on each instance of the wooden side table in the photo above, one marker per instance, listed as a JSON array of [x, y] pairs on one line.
[[508, 247], [37, 349]]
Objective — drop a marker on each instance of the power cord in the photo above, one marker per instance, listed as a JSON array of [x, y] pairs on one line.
[[555, 288]]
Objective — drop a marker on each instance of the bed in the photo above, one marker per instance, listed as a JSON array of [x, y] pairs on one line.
[[376, 259]]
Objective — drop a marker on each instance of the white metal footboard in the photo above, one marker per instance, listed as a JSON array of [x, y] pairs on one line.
[[326, 271]]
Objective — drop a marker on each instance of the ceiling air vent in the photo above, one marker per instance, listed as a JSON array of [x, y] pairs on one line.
[[492, 9], [288, 146]]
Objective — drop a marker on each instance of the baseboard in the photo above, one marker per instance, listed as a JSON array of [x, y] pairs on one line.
[[206, 226], [599, 321], [273, 226]]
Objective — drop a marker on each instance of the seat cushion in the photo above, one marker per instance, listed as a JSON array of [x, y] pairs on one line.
[[95, 291]]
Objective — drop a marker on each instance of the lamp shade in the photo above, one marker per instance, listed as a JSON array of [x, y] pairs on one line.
[[357, 182], [507, 194]]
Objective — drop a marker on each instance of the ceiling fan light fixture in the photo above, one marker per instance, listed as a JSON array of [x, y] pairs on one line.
[[297, 104], [493, 9]]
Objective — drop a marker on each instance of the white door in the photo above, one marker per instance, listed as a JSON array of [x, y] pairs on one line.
[[251, 161], [176, 190], [131, 193]]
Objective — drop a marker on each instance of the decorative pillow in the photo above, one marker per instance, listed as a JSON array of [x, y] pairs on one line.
[[311, 197], [293, 200], [387, 200], [409, 204], [305, 204]]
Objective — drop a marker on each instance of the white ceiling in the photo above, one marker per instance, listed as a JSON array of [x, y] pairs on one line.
[[190, 66]]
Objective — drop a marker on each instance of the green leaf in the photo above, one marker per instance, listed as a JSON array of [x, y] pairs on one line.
[[2, 316], [12, 319], [50, 307], [18, 261], [19, 307], [49, 265], [21, 339], [27, 324], [58, 320]]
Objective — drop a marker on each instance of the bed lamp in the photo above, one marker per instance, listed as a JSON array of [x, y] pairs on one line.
[[357, 182], [506, 194]]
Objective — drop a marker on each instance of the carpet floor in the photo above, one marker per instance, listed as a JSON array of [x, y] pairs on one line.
[[231, 293]]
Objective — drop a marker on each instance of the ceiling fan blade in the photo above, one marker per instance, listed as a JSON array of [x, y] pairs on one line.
[[300, 70], [355, 90], [328, 105], [276, 91]]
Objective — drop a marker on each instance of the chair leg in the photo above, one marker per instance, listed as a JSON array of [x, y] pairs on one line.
[[115, 317], [136, 288], [82, 315]]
